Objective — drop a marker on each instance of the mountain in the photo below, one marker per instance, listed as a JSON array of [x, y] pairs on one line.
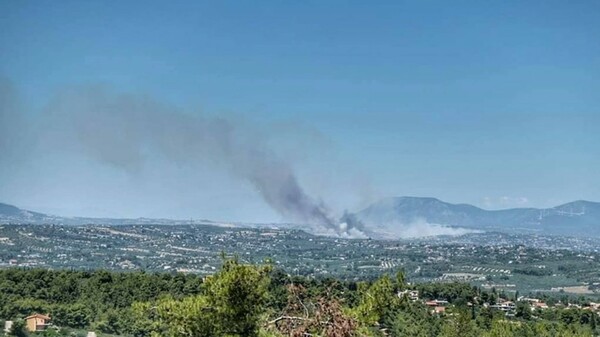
[[575, 218], [399, 216], [10, 214]]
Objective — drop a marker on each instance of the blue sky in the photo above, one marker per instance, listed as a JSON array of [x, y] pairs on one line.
[[491, 103]]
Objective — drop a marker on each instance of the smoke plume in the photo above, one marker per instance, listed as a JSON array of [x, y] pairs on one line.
[[123, 129]]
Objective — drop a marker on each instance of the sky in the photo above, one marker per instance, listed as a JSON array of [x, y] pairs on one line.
[[491, 103]]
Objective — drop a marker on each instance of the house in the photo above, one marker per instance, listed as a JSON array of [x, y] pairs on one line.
[[412, 295], [37, 322], [436, 303], [438, 306], [8, 326], [539, 305], [527, 299], [505, 306], [439, 310]]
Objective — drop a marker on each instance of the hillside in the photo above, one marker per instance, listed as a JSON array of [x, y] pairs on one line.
[[10, 214], [575, 218]]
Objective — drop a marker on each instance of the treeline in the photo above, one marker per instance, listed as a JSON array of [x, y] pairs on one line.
[[533, 271], [249, 301], [82, 299]]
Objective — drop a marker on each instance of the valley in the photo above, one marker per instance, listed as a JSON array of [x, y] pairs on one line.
[[506, 262]]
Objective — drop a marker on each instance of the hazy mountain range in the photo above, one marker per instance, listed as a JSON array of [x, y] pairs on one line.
[[10, 214], [404, 215], [575, 218]]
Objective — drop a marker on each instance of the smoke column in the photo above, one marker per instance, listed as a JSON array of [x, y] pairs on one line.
[[121, 129]]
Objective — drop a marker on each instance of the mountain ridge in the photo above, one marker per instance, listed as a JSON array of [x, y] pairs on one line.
[[10, 214], [572, 218], [576, 218]]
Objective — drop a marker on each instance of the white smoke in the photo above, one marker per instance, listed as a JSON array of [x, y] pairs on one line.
[[419, 228]]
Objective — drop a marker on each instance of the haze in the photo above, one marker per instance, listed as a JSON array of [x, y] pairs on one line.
[[206, 110]]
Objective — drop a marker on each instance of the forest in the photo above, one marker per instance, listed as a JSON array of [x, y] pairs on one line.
[[261, 301]]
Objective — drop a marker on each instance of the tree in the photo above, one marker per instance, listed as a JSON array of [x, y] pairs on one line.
[[76, 315], [460, 325], [500, 328], [110, 322], [400, 280], [190, 317], [377, 301], [406, 325], [523, 310], [232, 304], [237, 296], [18, 329], [525, 330]]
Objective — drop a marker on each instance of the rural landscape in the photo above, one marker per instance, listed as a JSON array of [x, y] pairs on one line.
[[433, 285], [276, 168]]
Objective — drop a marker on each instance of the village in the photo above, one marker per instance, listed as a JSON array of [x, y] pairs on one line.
[[41, 323], [504, 265]]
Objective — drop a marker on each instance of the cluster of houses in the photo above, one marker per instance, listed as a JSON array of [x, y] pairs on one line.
[[436, 306], [504, 305], [538, 304]]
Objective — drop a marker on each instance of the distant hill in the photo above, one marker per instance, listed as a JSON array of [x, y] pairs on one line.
[[575, 218], [399, 215], [10, 214]]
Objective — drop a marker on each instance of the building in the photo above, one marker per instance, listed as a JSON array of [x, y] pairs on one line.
[[8, 326], [412, 295], [437, 306], [37, 322], [436, 303], [439, 310]]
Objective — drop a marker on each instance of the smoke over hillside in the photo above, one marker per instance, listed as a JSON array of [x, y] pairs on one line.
[[123, 130]]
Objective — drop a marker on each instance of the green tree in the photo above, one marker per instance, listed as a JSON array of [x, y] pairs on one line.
[[18, 329], [500, 328], [190, 317], [377, 301], [460, 325], [406, 325], [232, 304], [525, 329], [237, 295], [75, 315], [523, 310]]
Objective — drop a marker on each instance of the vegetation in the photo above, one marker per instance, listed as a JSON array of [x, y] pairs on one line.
[[259, 301], [521, 263]]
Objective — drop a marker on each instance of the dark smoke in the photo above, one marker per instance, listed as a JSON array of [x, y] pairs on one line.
[[123, 130]]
